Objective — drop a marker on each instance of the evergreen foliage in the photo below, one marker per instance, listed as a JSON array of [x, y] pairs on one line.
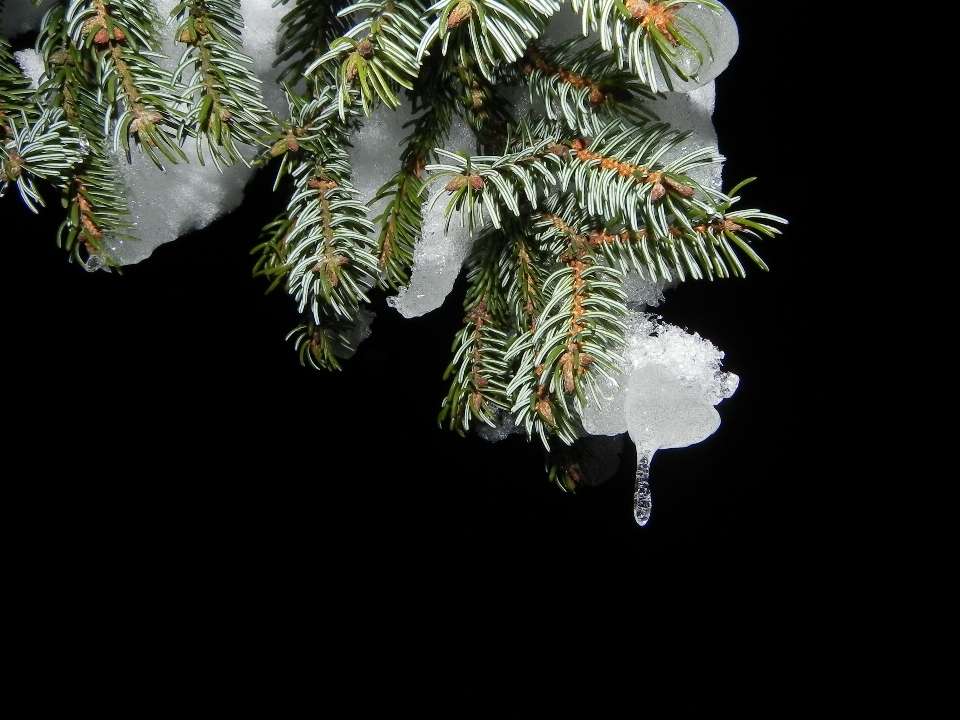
[[562, 204]]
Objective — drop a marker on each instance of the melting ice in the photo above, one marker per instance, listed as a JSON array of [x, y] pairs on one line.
[[664, 396]]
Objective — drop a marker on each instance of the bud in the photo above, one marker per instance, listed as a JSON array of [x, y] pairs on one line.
[[684, 190], [351, 71], [458, 182], [463, 10]]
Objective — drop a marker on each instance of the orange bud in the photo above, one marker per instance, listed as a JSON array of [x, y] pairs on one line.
[[684, 190]]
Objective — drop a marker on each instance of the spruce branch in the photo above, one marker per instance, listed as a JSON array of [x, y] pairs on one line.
[[321, 344], [482, 186], [498, 30], [321, 245], [621, 176], [478, 372], [483, 104], [97, 213], [118, 40], [401, 221], [378, 54], [649, 36], [44, 150], [35, 145], [226, 105], [577, 335], [306, 32], [434, 105], [585, 87], [16, 94], [563, 202]]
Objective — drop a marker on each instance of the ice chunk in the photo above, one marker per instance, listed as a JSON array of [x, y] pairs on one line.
[[662, 411], [359, 331], [375, 152], [606, 415], [692, 111], [694, 362], [440, 253], [166, 205], [504, 427], [642, 292], [717, 43], [674, 381]]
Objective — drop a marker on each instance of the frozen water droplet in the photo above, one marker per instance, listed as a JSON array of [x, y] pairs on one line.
[[687, 61], [642, 502], [84, 144], [94, 263]]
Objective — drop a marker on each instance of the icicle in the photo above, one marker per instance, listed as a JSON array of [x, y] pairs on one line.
[[642, 502]]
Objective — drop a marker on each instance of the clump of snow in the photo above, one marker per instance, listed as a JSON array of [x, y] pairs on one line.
[[31, 64], [167, 204], [642, 293], [692, 112], [375, 152], [691, 361], [260, 37], [441, 251]]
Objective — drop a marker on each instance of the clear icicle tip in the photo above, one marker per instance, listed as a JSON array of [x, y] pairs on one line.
[[642, 502]]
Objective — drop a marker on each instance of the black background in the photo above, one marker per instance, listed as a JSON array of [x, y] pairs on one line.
[[167, 438]]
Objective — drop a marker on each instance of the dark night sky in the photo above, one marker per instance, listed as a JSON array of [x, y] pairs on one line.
[[173, 430]]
